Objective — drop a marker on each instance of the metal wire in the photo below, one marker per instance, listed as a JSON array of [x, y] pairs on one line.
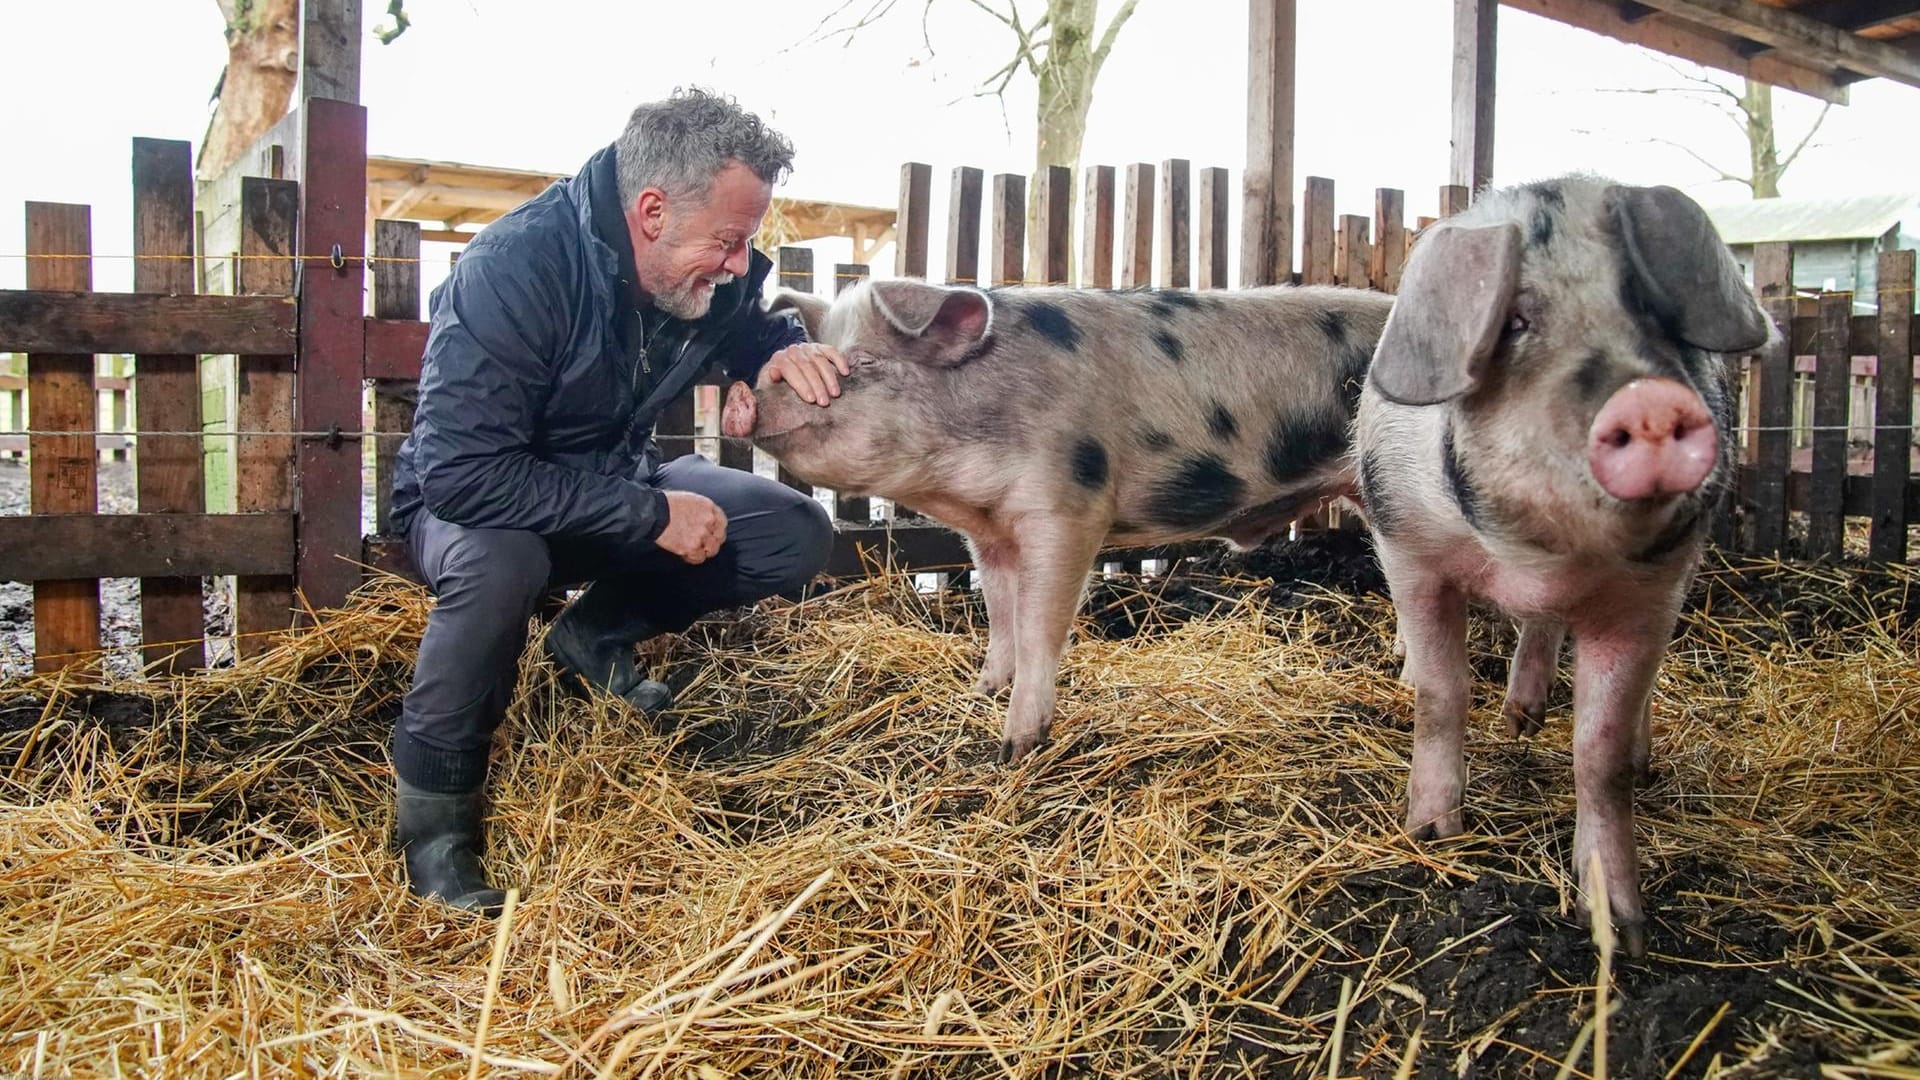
[[344, 434]]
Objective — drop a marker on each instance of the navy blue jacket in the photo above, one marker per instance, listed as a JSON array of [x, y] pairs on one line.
[[537, 397]]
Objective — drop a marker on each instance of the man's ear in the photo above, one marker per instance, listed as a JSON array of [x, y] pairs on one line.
[[648, 214]]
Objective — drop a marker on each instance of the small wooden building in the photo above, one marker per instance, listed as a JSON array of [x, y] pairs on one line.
[[1836, 242]]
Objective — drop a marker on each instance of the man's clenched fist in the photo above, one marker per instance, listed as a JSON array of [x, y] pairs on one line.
[[695, 527]]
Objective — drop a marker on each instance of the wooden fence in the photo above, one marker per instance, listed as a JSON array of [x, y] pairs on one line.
[[307, 350]]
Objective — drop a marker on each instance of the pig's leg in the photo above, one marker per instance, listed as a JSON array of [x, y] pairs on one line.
[[1614, 669], [1433, 619], [999, 570], [1530, 680], [1054, 557]]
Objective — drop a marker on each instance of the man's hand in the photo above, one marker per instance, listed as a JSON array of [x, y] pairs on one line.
[[809, 368], [695, 527]]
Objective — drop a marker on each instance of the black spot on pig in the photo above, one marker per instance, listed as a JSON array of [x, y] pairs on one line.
[[1685, 523], [1540, 234], [1170, 345], [1201, 490], [1354, 361], [1590, 378], [1464, 494], [1548, 191], [1155, 439], [1051, 322], [1373, 492], [1089, 463], [1167, 301], [1333, 323], [1305, 442], [1222, 423]]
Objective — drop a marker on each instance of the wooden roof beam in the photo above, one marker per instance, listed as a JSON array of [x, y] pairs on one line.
[[1852, 16], [1701, 46], [1798, 35]]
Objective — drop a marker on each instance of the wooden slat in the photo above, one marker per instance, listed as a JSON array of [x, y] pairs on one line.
[[1856, 492], [1893, 408], [910, 236], [330, 52], [963, 227], [1863, 342], [1136, 228], [1176, 225], [1009, 228], [1773, 386], [796, 273], [1390, 239], [856, 508], [147, 546], [169, 474], [1473, 86], [333, 209], [1096, 231], [1453, 199], [396, 295], [1053, 201], [1800, 37], [393, 348], [65, 321], [263, 464], [66, 613], [1352, 254], [1266, 219], [1316, 252], [1211, 260], [1826, 532]]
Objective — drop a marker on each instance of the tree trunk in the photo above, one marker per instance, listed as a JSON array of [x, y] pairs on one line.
[[1763, 152], [1065, 91], [263, 63]]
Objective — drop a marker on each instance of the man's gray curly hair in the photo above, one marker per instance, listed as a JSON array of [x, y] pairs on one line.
[[680, 144]]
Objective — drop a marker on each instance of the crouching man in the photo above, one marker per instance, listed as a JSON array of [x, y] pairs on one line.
[[563, 331]]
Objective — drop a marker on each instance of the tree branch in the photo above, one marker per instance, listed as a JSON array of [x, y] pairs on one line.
[[1711, 167], [1817, 121], [1113, 30]]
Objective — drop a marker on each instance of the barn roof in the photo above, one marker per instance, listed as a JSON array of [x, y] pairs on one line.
[[1855, 217]]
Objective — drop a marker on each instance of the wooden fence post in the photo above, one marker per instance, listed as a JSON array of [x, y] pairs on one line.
[[796, 274], [1176, 225], [910, 235], [1054, 199], [1136, 230], [1833, 363], [263, 464], [1773, 383], [1390, 239], [169, 471], [1212, 257], [1352, 253], [1009, 228], [857, 509], [1316, 253], [1893, 409], [1096, 234], [963, 227], [66, 613], [396, 295]]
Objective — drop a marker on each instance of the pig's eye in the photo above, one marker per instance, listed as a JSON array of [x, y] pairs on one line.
[[1516, 324]]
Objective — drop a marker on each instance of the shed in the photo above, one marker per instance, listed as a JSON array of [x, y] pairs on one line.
[[1836, 242]]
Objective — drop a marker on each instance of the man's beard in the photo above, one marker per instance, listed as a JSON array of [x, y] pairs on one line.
[[687, 300]]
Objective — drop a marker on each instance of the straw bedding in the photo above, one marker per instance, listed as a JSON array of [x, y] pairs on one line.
[[817, 870]]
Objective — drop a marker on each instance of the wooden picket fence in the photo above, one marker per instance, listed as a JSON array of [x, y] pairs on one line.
[[306, 349]]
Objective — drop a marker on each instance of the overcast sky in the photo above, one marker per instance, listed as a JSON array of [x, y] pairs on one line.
[[541, 85]]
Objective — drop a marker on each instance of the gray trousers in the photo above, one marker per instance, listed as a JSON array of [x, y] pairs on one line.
[[488, 582]]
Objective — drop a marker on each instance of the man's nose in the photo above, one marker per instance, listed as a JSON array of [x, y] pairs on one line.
[[736, 263]]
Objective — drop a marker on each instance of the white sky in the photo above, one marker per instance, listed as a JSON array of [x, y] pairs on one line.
[[542, 85]]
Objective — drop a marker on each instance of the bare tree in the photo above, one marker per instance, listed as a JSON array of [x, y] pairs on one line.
[[1063, 50], [1750, 108]]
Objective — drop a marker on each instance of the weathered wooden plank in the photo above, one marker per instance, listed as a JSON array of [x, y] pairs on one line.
[[1474, 41], [396, 295], [1211, 260], [1009, 228], [333, 210], [796, 273], [394, 348], [1352, 254], [1796, 35], [66, 321], [169, 472], [1176, 224], [330, 50], [1316, 252], [1863, 342], [1054, 222], [1266, 220], [910, 229], [1893, 409], [263, 464], [1390, 239], [147, 546], [857, 508], [1453, 199], [1826, 531], [1136, 228], [1097, 223], [1773, 386], [66, 613], [963, 227]]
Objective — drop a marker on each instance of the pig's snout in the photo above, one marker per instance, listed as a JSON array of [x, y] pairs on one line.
[[1653, 437], [741, 411]]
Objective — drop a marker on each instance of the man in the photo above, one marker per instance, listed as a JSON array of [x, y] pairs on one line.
[[563, 331]]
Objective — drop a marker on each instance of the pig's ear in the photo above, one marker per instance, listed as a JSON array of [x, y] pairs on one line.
[[1448, 315], [946, 325], [1686, 275], [811, 309]]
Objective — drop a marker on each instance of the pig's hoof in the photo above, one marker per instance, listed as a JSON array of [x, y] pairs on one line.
[[1015, 747], [1524, 721], [1423, 826], [992, 680]]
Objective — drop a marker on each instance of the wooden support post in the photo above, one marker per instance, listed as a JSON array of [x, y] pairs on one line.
[[796, 274], [1176, 225], [1390, 239], [396, 295], [263, 464], [963, 227], [1893, 409], [1453, 199], [1473, 88], [910, 232], [1266, 226], [1054, 203], [1773, 382], [1009, 255], [1212, 258], [1136, 229], [1826, 521], [169, 473], [66, 613], [857, 509], [1316, 244], [333, 240], [1096, 233], [1352, 253]]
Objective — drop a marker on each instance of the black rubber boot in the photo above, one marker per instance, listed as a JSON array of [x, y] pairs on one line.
[[440, 836], [591, 658]]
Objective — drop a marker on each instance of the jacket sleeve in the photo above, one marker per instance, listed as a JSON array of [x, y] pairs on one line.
[[497, 330]]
